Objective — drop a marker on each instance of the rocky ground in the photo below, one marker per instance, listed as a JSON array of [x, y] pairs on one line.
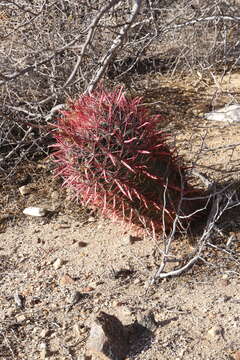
[[58, 272]]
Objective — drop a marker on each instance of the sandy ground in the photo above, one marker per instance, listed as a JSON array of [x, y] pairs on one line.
[[56, 272]]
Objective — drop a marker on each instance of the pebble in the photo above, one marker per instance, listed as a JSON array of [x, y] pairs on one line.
[[75, 297], [25, 190], [124, 314], [62, 226], [77, 330], [66, 280], [55, 195], [225, 282], [87, 289], [130, 239], [58, 263], [44, 333], [127, 239], [137, 281], [93, 284], [82, 244], [20, 318], [43, 351], [236, 355], [229, 113], [147, 320], [19, 300], [225, 277], [215, 332], [35, 211], [91, 219], [10, 312], [107, 338], [116, 303]]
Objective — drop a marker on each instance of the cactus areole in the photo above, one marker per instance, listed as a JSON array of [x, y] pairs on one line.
[[110, 152]]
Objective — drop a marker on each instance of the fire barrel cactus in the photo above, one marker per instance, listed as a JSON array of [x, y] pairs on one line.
[[110, 152]]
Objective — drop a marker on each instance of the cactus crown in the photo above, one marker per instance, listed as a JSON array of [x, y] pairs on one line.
[[109, 150]]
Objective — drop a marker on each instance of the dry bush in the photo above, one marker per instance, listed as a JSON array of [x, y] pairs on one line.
[[52, 50]]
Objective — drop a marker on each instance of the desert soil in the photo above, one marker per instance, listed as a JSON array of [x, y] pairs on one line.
[[58, 271]]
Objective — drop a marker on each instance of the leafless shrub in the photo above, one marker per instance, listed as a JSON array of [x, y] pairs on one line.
[[52, 50], [221, 201]]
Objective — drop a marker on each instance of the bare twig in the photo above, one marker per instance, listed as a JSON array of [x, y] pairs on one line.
[[221, 202], [117, 42]]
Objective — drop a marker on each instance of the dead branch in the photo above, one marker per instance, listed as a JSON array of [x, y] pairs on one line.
[[117, 42], [89, 37], [221, 202]]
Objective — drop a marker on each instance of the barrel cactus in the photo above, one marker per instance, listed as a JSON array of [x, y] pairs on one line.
[[110, 151]]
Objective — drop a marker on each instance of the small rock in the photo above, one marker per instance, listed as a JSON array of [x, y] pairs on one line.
[[107, 338], [236, 355], [75, 298], [21, 318], [91, 219], [58, 263], [35, 211], [79, 330], [147, 320], [122, 273], [215, 332], [229, 113], [127, 239], [55, 195], [19, 300], [124, 314], [66, 280], [225, 277], [224, 282], [44, 333], [195, 111], [137, 281], [116, 303], [10, 312], [82, 244], [63, 226], [25, 190], [87, 289], [43, 351], [226, 298], [130, 239]]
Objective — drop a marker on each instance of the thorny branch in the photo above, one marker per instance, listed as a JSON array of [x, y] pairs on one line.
[[53, 50], [221, 201], [89, 37], [117, 42]]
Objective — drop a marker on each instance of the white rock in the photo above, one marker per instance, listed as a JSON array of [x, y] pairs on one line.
[[58, 263], [230, 113], [24, 190], [20, 318], [35, 211], [44, 333], [55, 195], [225, 276], [215, 332], [43, 351]]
